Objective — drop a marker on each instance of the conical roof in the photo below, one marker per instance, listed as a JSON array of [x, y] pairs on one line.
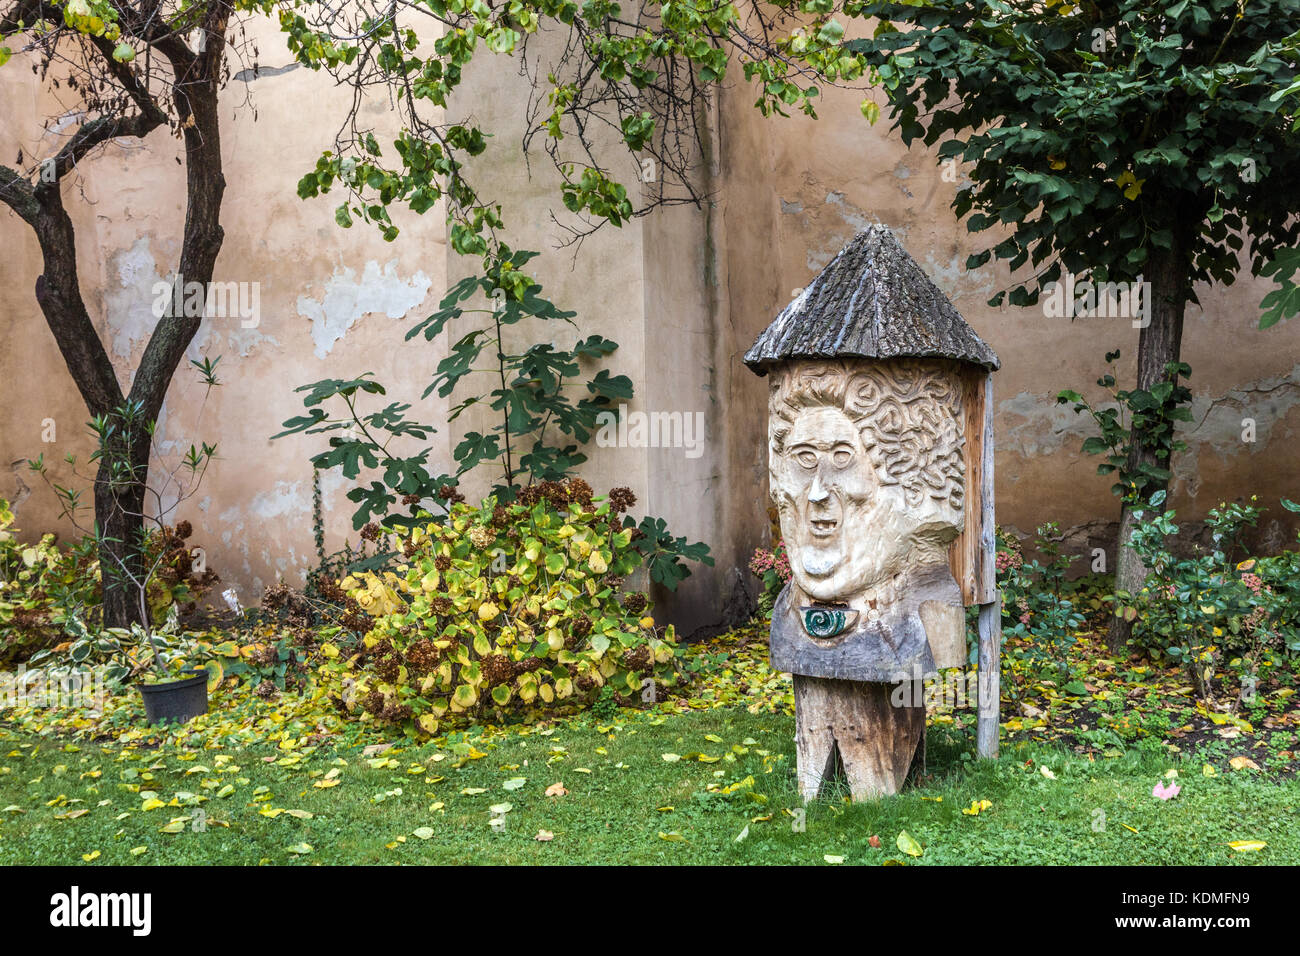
[[872, 301]]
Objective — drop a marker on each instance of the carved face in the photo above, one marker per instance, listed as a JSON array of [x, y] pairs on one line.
[[834, 513], [848, 527]]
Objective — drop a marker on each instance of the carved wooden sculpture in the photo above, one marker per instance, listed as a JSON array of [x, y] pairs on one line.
[[879, 459]]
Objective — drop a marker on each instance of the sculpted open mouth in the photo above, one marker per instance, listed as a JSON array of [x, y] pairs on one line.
[[823, 527]]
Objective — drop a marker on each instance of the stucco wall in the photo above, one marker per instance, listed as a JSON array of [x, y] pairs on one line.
[[684, 292]]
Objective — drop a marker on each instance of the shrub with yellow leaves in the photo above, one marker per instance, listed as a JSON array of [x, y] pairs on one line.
[[500, 608], [39, 583]]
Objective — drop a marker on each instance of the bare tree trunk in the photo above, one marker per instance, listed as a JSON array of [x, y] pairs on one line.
[[1159, 343], [119, 514]]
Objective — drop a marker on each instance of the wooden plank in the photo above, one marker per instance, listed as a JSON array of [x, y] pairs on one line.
[[965, 554], [990, 602], [990, 679], [986, 575], [875, 739]]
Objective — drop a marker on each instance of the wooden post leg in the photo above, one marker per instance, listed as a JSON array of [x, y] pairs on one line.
[[814, 741], [875, 739], [990, 679]]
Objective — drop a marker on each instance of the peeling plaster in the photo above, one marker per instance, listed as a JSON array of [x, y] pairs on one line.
[[346, 299], [259, 72], [284, 499], [1035, 425], [238, 338], [955, 280], [855, 218], [1218, 422], [128, 305]]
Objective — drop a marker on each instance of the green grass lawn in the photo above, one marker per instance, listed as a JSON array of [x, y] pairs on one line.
[[625, 803]]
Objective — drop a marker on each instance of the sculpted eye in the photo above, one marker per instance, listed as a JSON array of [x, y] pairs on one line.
[[842, 455], [806, 457]]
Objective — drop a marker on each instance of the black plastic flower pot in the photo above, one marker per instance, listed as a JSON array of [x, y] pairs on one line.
[[176, 701]]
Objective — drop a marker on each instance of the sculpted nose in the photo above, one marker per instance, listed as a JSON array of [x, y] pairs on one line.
[[818, 493]]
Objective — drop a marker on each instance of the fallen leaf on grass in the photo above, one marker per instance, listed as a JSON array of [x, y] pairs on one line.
[[907, 843], [544, 836], [833, 860], [556, 790], [874, 841], [1247, 846], [1242, 763]]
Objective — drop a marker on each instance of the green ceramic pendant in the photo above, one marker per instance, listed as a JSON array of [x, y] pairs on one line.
[[826, 622]]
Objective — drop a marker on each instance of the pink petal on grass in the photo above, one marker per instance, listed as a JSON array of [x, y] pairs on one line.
[[1165, 792]]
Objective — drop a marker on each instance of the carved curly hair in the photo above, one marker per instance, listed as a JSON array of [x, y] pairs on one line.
[[908, 411]]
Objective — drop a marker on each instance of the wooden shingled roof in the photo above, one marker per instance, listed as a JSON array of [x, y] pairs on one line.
[[872, 301]]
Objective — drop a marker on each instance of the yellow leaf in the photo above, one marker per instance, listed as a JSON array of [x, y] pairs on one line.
[[908, 844], [90, 857], [1131, 185], [1247, 846], [1242, 763]]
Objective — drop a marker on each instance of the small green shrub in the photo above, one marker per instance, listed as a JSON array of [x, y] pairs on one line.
[[1035, 604], [1217, 606]]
